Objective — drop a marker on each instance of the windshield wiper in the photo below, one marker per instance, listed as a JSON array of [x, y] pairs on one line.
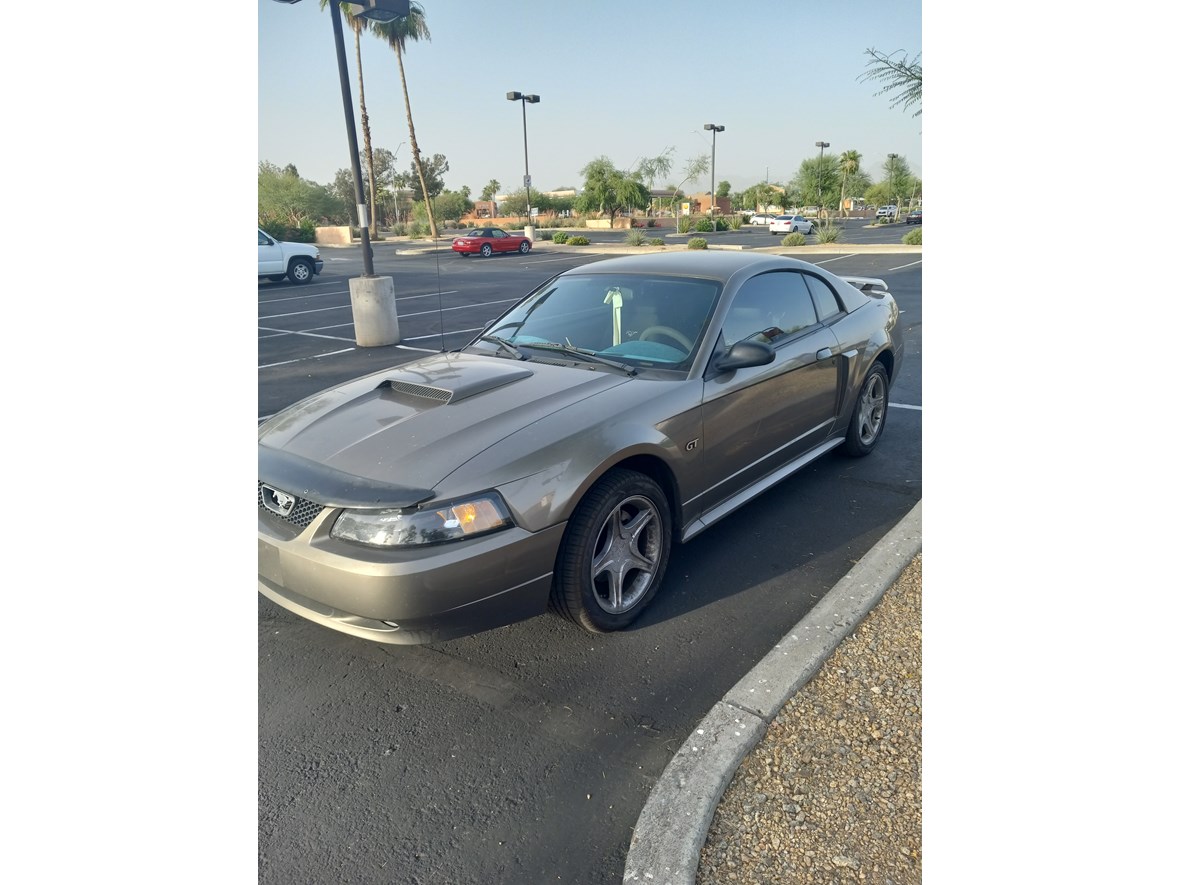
[[587, 355], [503, 345]]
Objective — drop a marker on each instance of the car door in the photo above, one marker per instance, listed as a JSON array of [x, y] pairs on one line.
[[270, 256], [757, 419], [500, 241]]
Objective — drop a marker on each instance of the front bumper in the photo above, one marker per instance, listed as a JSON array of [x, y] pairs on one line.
[[407, 596]]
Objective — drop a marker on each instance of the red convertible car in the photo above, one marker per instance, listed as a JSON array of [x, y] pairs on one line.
[[486, 240]]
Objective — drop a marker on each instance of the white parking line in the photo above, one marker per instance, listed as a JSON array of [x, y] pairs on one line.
[[904, 266], [905, 406]]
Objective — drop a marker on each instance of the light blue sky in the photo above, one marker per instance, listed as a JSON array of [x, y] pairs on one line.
[[616, 78]]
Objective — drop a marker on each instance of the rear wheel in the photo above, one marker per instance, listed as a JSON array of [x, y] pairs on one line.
[[300, 271], [868, 415], [614, 553], [486, 250]]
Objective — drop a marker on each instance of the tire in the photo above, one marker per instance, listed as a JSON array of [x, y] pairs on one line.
[[614, 553], [868, 414], [524, 248], [486, 250], [300, 271], [277, 277]]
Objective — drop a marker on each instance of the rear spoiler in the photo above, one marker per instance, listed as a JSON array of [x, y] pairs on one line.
[[867, 284]]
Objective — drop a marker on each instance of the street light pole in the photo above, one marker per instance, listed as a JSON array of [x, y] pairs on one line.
[[374, 310], [892, 198], [819, 177], [713, 174], [362, 209], [525, 100]]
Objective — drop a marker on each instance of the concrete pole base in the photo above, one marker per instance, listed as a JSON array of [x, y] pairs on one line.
[[374, 313], [530, 232]]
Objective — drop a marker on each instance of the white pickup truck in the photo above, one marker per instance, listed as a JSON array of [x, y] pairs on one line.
[[277, 259]]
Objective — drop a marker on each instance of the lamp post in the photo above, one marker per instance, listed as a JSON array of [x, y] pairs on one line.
[[712, 127], [524, 101], [819, 177], [373, 308], [892, 199]]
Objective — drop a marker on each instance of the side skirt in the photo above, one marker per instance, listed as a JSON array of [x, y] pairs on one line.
[[753, 490]]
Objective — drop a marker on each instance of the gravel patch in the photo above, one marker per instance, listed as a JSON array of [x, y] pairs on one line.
[[833, 792]]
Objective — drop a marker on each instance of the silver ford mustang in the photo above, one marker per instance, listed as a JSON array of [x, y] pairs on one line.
[[551, 462]]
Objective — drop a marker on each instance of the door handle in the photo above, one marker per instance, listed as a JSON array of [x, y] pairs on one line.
[[824, 354]]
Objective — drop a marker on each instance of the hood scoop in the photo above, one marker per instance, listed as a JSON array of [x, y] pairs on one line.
[[460, 379]]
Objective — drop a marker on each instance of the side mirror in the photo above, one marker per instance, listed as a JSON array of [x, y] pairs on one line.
[[745, 354]]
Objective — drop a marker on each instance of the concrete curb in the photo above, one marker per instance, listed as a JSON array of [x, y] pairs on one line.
[[666, 844]]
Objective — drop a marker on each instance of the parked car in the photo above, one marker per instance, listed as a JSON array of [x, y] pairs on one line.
[[915, 217], [486, 240], [620, 407], [761, 218], [280, 260], [789, 224], [887, 212]]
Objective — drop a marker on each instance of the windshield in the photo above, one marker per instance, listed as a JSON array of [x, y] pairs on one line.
[[640, 321]]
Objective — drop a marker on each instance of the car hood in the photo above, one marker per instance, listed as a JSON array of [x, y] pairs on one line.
[[390, 437]]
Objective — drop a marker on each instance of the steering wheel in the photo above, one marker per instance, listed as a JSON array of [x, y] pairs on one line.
[[667, 332]]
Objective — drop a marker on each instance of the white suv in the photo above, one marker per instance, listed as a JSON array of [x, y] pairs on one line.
[[887, 212], [297, 262]]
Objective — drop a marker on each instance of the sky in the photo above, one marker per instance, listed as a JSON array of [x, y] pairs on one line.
[[616, 78]]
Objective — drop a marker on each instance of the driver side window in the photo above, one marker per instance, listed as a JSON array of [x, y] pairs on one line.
[[776, 304]]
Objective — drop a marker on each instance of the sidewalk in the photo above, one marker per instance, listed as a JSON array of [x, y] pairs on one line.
[[828, 770]]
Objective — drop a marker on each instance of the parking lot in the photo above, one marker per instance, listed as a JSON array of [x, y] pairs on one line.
[[526, 753]]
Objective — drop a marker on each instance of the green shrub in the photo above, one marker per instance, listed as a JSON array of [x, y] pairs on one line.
[[829, 233], [544, 235], [419, 229], [656, 241], [914, 237], [635, 238], [304, 232], [560, 237], [699, 242], [399, 229], [578, 241], [704, 225], [683, 224], [795, 239]]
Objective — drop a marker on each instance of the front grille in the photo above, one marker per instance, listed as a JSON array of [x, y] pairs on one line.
[[302, 513]]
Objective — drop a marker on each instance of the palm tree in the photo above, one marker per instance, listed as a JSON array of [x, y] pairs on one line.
[[396, 33], [358, 25], [849, 165]]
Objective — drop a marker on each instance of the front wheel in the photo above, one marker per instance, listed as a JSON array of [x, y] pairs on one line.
[[614, 553], [868, 415], [524, 248], [485, 250], [301, 270]]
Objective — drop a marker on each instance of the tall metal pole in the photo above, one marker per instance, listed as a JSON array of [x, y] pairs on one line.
[[713, 183], [892, 198], [362, 210], [713, 174], [528, 203], [819, 177]]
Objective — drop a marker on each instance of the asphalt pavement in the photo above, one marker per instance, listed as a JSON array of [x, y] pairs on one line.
[[671, 830]]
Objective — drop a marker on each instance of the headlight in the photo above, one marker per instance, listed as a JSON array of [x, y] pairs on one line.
[[432, 525]]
